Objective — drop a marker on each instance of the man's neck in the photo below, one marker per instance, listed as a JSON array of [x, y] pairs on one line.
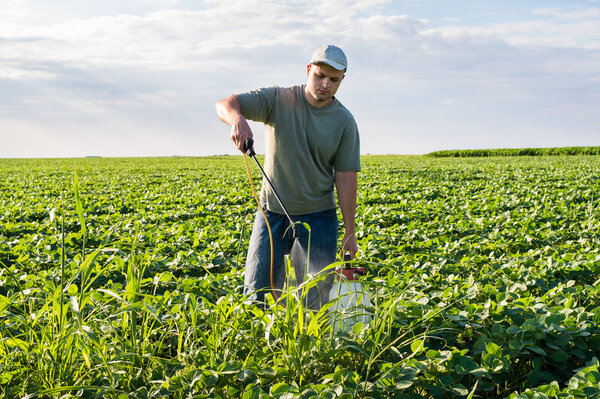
[[316, 103]]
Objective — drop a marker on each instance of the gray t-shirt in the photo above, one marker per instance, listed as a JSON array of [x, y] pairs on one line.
[[305, 145]]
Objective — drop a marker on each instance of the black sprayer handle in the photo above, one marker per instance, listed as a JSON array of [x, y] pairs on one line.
[[248, 147], [350, 271]]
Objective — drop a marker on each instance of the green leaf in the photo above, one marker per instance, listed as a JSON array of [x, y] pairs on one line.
[[464, 365], [459, 389], [309, 393], [515, 344], [479, 372], [559, 356], [246, 376], [209, 378], [593, 376], [403, 384], [497, 331], [446, 380], [279, 388], [4, 303], [417, 346], [252, 393], [550, 390], [537, 350], [493, 349]]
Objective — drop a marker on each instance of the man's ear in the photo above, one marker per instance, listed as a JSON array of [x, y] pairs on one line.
[[308, 69]]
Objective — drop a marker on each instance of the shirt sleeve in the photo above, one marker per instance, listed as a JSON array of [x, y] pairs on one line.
[[257, 105], [347, 157]]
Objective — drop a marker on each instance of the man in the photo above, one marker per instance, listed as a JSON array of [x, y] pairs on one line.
[[312, 144]]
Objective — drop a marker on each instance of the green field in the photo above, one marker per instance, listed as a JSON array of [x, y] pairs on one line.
[[122, 278]]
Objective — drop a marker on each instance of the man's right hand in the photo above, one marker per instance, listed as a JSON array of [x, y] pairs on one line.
[[228, 110], [240, 132]]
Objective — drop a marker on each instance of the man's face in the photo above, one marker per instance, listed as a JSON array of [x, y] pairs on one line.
[[323, 82]]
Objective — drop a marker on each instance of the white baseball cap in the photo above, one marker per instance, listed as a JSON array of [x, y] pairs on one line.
[[330, 55]]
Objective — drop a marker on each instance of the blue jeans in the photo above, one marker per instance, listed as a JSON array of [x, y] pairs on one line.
[[322, 247]]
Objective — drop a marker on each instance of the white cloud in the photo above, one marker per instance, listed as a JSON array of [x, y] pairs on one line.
[[576, 34], [189, 39], [570, 15], [130, 69]]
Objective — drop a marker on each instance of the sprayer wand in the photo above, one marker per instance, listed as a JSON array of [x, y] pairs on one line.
[[248, 148]]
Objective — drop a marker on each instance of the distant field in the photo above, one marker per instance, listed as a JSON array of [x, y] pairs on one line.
[[123, 278], [511, 152]]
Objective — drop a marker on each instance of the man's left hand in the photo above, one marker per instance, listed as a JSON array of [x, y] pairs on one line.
[[349, 245]]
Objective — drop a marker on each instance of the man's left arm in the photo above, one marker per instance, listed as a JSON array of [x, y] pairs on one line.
[[346, 184]]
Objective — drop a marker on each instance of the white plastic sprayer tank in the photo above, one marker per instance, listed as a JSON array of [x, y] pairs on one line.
[[351, 300]]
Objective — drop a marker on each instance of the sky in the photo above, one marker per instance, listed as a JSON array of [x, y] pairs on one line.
[[141, 77]]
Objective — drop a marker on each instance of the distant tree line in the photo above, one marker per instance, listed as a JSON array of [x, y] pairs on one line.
[[513, 152]]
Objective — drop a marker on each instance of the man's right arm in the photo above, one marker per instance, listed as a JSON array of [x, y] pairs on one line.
[[228, 110]]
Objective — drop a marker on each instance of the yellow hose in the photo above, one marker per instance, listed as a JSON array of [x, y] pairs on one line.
[[266, 221]]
